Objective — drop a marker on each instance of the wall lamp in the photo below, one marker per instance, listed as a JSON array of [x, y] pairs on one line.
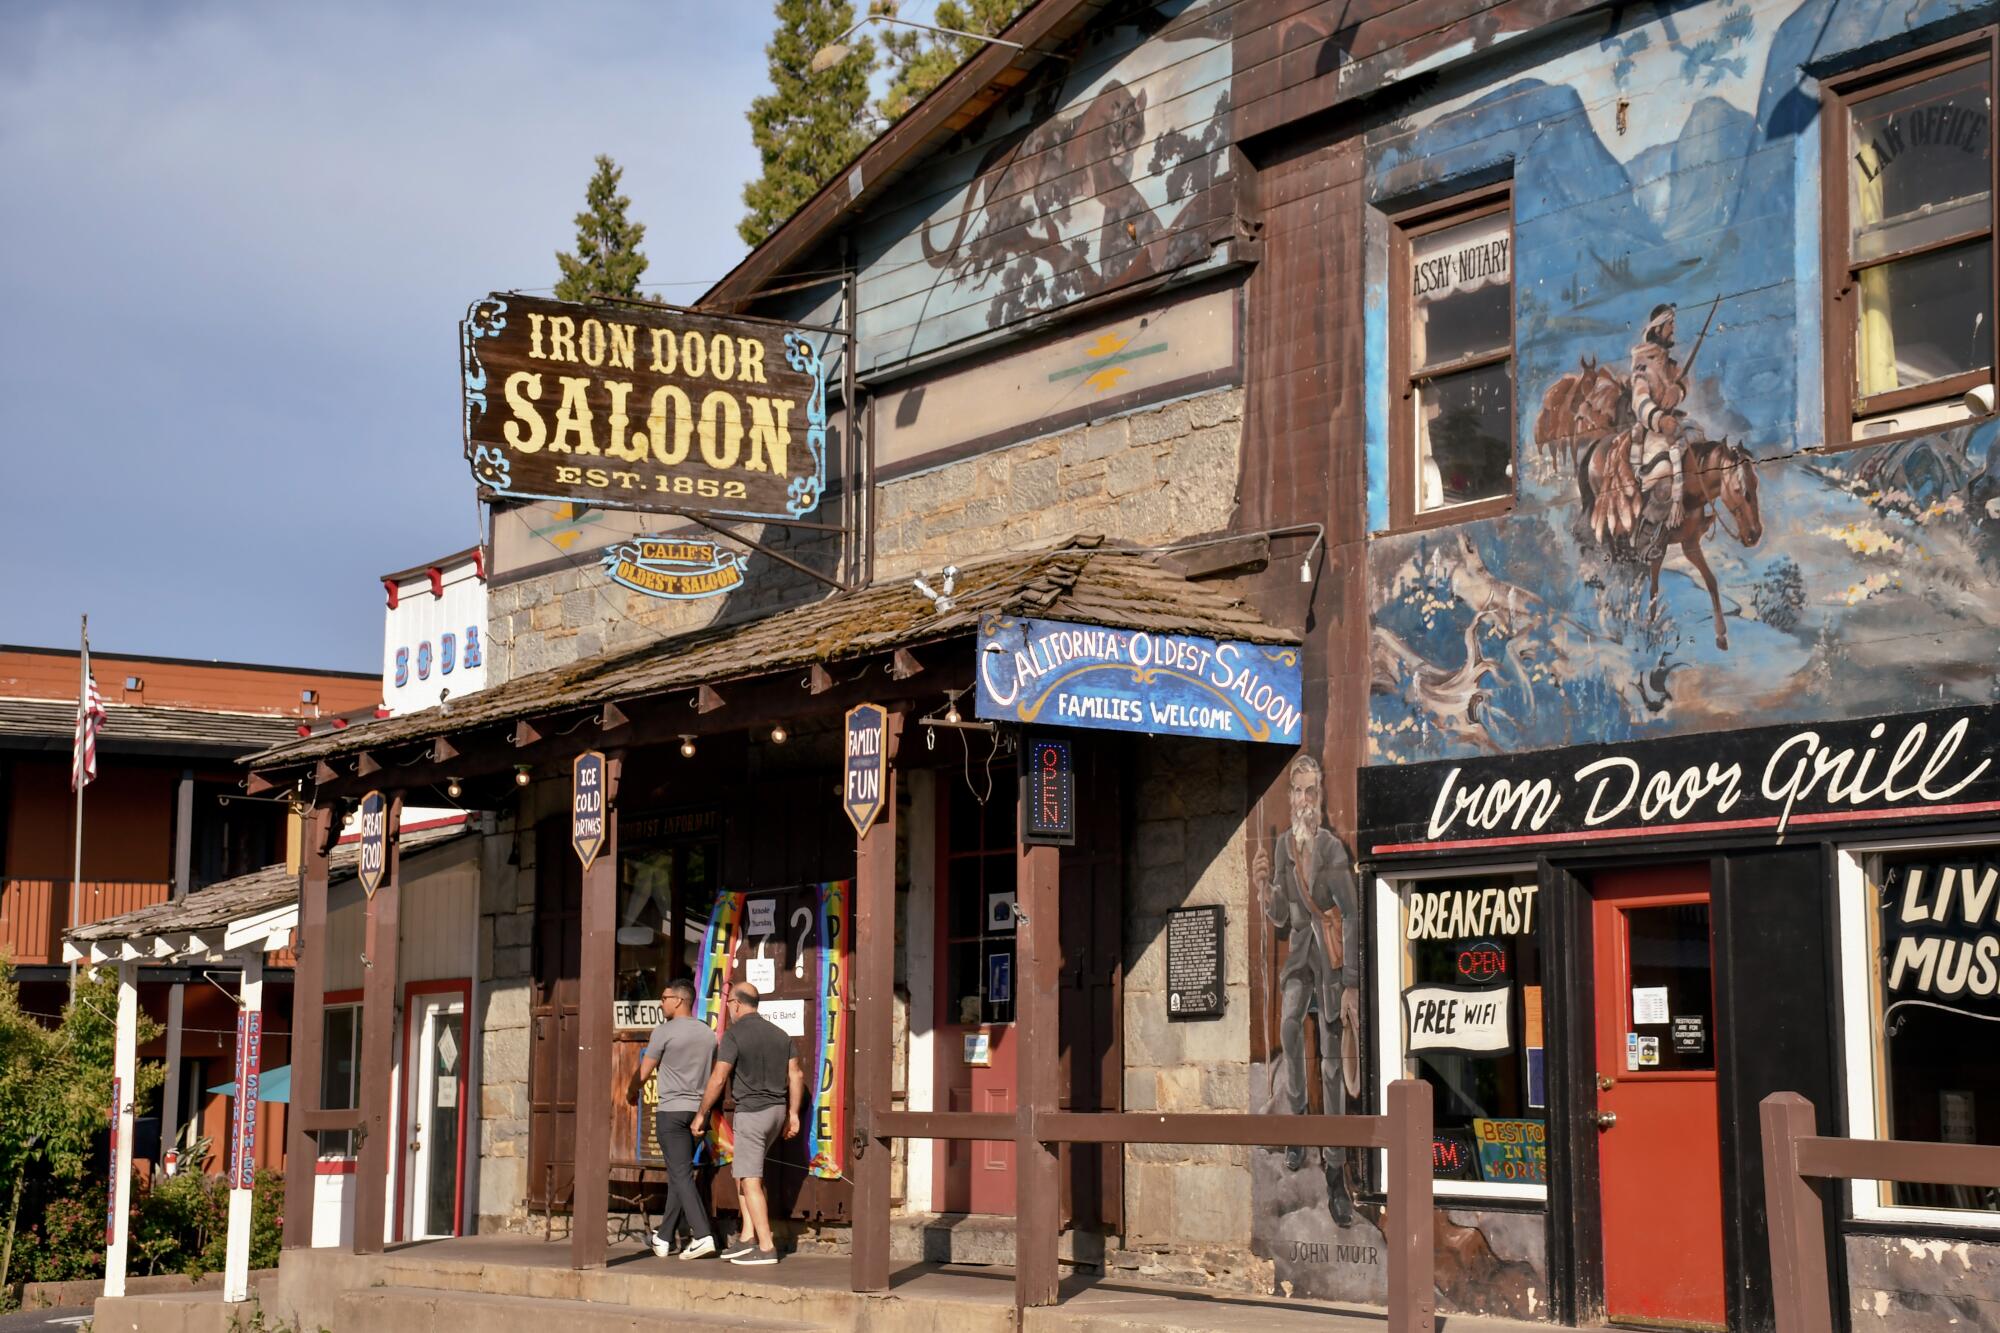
[[838, 50]]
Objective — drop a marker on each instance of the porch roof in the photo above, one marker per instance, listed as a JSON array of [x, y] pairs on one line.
[[1082, 580], [50, 724], [250, 913]]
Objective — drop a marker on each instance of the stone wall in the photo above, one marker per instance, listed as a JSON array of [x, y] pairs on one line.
[[506, 963], [1917, 1284], [1150, 476], [1187, 1208]]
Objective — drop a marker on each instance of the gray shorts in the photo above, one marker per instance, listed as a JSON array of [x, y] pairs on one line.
[[756, 1132]]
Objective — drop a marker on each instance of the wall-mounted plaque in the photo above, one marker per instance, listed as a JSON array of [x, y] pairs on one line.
[[1195, 967]]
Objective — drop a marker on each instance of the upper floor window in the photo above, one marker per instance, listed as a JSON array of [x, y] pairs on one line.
[[1910, 242], [1452, 348]]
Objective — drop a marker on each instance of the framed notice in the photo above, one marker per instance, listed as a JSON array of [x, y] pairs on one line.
[[1195, 976]]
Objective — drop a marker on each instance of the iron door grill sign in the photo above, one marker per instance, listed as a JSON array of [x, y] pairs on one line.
[[1048, 816], [587, 806], [374, 864], [644, 407], [1054, 673], [862, 793]]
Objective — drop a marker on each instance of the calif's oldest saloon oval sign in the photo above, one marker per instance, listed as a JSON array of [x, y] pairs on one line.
[[643, 407], [1060, 674]]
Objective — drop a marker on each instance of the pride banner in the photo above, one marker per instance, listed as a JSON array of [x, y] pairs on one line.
[[718, 942], [826, 1132]]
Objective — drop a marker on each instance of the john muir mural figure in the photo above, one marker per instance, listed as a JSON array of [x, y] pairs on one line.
[[1306, 884]]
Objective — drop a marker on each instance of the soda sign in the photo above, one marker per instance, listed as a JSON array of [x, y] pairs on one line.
[[587, 806]]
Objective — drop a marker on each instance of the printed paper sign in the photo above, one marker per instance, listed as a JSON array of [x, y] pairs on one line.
[[788, 1015], [1465, 1020], [762, 973], [1649, 1052], [637, 1014], [1690, 1034], [1649, 1006], [763, 916]]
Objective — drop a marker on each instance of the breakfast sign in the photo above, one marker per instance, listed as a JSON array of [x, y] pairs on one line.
[[643, 407]]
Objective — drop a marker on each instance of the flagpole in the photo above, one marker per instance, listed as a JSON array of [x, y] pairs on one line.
[[76, 778]]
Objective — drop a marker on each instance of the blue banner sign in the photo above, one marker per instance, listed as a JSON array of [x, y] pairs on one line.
[[1064, 675]]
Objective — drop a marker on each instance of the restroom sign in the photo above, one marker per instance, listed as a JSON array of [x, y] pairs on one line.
[[587, 806]]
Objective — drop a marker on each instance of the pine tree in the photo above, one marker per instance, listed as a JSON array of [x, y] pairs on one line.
[[607, 259], [809, 125], [920, 61]]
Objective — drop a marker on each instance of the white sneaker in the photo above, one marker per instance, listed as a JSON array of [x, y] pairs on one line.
[[699, 1248], [662, 1248]]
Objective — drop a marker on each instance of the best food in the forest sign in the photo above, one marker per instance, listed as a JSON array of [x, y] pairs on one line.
[[643, 407]]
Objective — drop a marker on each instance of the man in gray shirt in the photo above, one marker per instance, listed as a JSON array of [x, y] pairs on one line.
[[682, 1049], [766, 1086]]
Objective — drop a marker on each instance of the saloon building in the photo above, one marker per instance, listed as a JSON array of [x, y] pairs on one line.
[[1486, 517]]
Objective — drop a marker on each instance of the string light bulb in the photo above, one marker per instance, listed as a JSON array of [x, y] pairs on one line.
[[951, 709], [454, 788], [778, 734], [687, 747], [521, 775]]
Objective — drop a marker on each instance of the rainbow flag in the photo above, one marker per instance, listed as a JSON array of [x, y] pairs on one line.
[[826, 1131]]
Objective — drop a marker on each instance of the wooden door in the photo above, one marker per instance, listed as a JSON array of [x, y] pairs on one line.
[[975, 989], [1659, 1160], [1092, 985], [555, 1031]]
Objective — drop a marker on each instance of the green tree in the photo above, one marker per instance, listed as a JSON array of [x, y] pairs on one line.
[[920, 61], [55, 1087], [811, 124], [607, 260]]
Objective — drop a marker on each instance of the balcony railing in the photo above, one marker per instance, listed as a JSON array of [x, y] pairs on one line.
[[34, 913]]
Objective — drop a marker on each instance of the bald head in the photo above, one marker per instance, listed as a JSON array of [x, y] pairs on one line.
[[745, 994]]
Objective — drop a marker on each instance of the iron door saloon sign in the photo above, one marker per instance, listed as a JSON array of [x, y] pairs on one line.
[[867, 764], [587, 805], [638, 407], [1064, 675]]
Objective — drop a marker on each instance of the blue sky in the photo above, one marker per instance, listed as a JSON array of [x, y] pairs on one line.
[[235, 242]]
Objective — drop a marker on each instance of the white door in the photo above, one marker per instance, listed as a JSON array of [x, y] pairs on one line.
[[435, 1115]]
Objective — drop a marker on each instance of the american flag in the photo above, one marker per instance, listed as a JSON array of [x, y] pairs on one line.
[[89, 720]]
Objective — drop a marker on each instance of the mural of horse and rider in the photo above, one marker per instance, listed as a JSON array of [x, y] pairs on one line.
[[1682, 552]]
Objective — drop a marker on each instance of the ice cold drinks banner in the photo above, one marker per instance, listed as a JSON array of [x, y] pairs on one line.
[[1780, 781], [1064, 675]]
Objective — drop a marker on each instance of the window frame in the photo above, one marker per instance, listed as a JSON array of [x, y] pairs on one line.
[[1838, 271], [1860, 1068], [1392, 958], [328, 1006], [1404, 227]]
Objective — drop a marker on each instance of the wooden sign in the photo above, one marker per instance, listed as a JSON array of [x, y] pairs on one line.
[[242, 1172], [374, 841], [587, 828], [1048, 807], [644, 407], [867, 764]]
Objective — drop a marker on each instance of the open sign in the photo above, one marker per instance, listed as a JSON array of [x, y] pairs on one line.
[[1484, 961]]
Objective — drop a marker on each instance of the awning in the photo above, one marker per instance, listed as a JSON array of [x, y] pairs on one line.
[[273, 1085], [1082, 581]]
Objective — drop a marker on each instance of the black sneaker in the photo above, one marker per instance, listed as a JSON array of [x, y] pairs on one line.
[[756, 1257], [739, 1249]]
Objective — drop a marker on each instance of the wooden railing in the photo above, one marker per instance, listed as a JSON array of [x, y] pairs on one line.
[[34, 913], [1404, 1132], [1795, 1157]]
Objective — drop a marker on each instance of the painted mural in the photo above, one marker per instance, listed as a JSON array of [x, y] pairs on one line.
[[1681, 555], [1099, 175]]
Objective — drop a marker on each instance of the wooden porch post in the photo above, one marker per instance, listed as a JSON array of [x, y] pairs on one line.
[[590, 1197], [1796, 1222], [378, 1043], [170, 1093], [308, 1006], [124, 1068], [1038, 1074], [874, 969], [250, 1019]]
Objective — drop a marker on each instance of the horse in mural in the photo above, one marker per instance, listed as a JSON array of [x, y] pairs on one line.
[[1719, 478], [1590, 400]]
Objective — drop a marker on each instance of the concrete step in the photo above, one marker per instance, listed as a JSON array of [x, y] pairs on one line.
[[417, 1310], [982, 1238]]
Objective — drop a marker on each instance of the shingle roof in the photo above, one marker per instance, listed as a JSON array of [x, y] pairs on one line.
[[51, 724], [1082, 580], [245, 896]]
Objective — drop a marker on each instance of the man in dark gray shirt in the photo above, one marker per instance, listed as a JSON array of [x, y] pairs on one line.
[[766, 1086], [682, 1049]]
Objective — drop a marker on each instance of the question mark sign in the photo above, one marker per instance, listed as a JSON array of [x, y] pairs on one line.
[[805, 933]]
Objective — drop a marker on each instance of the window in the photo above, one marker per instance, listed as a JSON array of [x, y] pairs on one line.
[[1463, 1012], [1452, 345], [339, 1072], [1920, 980], [666, 895], [979, 907], [1909, 238]]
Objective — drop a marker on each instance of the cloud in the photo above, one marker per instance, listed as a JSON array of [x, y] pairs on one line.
[[239, 239]]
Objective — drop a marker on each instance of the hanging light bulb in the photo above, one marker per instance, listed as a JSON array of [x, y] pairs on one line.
[[521, 775], [454, 788], [778, 734], [687, 747], [951, 709]]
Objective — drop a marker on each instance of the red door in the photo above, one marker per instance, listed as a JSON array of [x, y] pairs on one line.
[[1659, 1163], [975, 1018]]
